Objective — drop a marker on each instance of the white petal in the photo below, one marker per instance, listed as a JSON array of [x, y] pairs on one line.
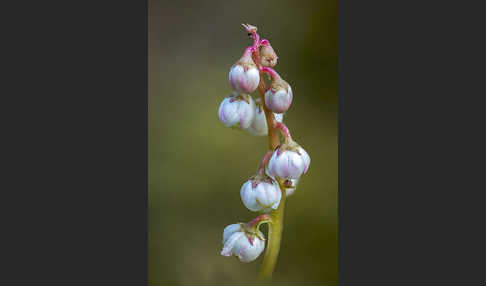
[[230, 230], [228, 113], [305, 158], [282, 165], [252, 80], [231, 243], [271, 168], [258, 126], [268, 195], [248, 196], [235, 76], [246, 112], [296, 165], [249, 252]]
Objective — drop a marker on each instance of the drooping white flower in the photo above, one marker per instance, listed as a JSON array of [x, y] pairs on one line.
[[279, 96], [244, 76], [237, 111], [288, 161], [259, 125], [261, 193], [241, 243]]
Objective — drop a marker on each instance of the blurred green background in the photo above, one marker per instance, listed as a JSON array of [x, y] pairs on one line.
[[197, 166]]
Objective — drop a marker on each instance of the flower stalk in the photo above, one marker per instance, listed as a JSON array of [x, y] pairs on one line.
[[283, 163], [275, 229]]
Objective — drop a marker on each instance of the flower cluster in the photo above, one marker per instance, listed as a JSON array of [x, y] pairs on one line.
[[262, 114]]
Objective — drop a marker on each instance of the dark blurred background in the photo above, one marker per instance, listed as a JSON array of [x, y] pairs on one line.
[[197, 166]]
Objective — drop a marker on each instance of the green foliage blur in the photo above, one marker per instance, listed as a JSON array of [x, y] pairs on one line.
[[197, 166]]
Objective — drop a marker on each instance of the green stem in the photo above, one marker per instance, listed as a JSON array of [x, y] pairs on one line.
[[274, 238]]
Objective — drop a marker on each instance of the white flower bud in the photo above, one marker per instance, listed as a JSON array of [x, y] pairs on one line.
[[244, 76], [261, 193], [279, 97], [288, 161], [258, 126], [237, 111], [246, 246]]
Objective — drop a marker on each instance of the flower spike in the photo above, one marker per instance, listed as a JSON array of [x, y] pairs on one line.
[[283, 164]]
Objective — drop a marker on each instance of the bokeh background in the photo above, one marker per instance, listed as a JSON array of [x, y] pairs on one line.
[[197, 166]]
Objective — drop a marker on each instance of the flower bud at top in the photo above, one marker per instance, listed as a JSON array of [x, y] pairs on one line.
[[238, 241], [279, 96], [268, 57], [258, 126], [244, 76], [237, 111], [288, 161], [261, 193]]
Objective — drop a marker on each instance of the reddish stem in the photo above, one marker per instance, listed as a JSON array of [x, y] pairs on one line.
[[264, 42], [265, 159], [273, 140], [248, 51], [256, 39], [259, 219], [285, 131], [271, 72]]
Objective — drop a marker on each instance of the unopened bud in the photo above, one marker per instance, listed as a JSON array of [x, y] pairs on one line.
[[289, 161], [259, 125], [237, 111], [244, 76], [279, 97], [268, 57], [261, 193]]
